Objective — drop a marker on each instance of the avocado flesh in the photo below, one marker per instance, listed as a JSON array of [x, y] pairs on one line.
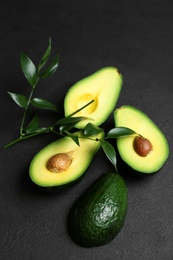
[[81, 156], [99, 214], [131, 117], [103, 87]]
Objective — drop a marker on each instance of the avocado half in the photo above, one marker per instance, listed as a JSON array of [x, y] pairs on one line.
[[73, 161], [103, 87], [135, 119]]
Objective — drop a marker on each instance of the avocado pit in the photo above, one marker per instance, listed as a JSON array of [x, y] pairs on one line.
[[59, 162], [142, 146]]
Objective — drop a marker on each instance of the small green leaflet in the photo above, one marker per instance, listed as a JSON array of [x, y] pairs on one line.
[[43, 103], [51, 69], [91, 129], [109, 152], [33, 124], [67, 127], [67, 123], [75, 138], [33, 127], [69, 120], [120, 132], [39, 130], [29, 69], [45, 57], [20, 100]]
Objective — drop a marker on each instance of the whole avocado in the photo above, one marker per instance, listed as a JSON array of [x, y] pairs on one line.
[[99, 214]]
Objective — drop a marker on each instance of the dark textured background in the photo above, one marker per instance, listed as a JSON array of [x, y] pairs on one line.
[[137, 38]]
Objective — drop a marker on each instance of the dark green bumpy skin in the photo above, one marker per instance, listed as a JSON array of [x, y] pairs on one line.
[[99, 214]]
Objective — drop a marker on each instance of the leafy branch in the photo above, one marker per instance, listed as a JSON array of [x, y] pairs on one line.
[[64, 126], [33, 74], [90, 132]]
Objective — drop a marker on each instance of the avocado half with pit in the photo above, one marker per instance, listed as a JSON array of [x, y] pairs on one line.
[[146, 152], [63, 163], [103, 87]]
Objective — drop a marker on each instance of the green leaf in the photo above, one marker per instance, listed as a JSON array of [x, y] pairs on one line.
[[28, 69], [75, 138], [109, 151], [120, 132], [66, 127], [51, 69], [70, 120], [91, 129], [45, 57], [20, 100], [43, 103], [40, 130], [33, 124]]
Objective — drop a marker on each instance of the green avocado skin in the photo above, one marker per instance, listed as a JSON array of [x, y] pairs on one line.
[[99, 214], [60, 188]]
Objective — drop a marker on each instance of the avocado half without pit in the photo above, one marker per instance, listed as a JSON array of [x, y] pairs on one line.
[[145, 152], [103, 88], [63, 163]]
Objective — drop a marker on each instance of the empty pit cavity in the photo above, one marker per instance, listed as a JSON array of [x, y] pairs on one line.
[[85, 99]]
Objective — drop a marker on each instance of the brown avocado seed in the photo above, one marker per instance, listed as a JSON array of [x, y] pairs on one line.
[[59, 162], [142, 146]]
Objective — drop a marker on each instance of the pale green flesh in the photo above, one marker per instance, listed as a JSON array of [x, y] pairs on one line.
[[81, 158], [103, 87], [128, 116]]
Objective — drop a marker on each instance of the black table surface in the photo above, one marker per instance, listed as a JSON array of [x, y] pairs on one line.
[[137, 38]]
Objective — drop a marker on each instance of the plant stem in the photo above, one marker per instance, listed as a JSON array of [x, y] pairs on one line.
[[24, 136], [81, 108], [26, 109], [21, 138], [68, 135], [55, 132]]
